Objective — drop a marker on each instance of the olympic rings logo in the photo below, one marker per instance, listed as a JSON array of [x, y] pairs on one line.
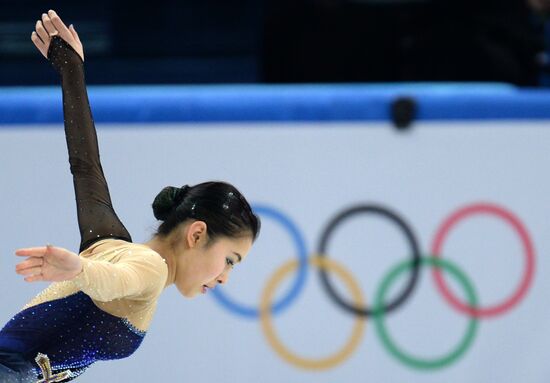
[[381, 307]]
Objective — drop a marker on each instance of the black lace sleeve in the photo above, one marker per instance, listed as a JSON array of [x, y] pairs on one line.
[[96, 217]]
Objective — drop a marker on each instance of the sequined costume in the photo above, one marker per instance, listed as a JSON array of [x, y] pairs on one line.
[[105, 311]]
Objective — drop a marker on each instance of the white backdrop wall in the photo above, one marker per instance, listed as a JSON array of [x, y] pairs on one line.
[[310, 172]]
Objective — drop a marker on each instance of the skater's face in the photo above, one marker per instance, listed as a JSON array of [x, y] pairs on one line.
[[203, 263]]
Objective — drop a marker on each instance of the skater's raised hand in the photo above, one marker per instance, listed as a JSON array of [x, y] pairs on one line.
[[51, 25]]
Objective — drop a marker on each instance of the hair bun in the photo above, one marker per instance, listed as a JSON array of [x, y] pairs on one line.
[[168, 200]]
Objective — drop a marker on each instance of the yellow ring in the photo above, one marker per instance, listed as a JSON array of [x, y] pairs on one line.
[[267, 325]]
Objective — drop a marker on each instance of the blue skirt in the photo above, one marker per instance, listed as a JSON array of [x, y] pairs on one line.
[[15, 369]]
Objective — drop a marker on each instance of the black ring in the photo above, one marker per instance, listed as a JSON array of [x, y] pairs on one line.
[[411, 239]]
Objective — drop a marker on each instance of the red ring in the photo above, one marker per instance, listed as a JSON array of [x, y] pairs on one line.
[[529, 260]]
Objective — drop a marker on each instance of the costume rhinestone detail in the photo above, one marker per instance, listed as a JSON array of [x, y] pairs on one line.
[[44, 363]]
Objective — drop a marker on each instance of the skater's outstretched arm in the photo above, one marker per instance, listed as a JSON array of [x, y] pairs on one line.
[[62, 47]]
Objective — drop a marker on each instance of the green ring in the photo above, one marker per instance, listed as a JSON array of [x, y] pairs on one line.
[[409, 360]]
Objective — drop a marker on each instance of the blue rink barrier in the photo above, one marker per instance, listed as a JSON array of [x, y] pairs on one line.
[[250, 103]]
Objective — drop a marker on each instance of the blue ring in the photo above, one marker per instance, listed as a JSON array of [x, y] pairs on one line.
[[298, 239]]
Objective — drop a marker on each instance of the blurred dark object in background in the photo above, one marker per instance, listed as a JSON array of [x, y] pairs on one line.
[[540, 6], [431, 40], [274, 41]]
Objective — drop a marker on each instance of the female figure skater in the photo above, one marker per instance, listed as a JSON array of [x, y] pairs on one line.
[[102, 301]]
